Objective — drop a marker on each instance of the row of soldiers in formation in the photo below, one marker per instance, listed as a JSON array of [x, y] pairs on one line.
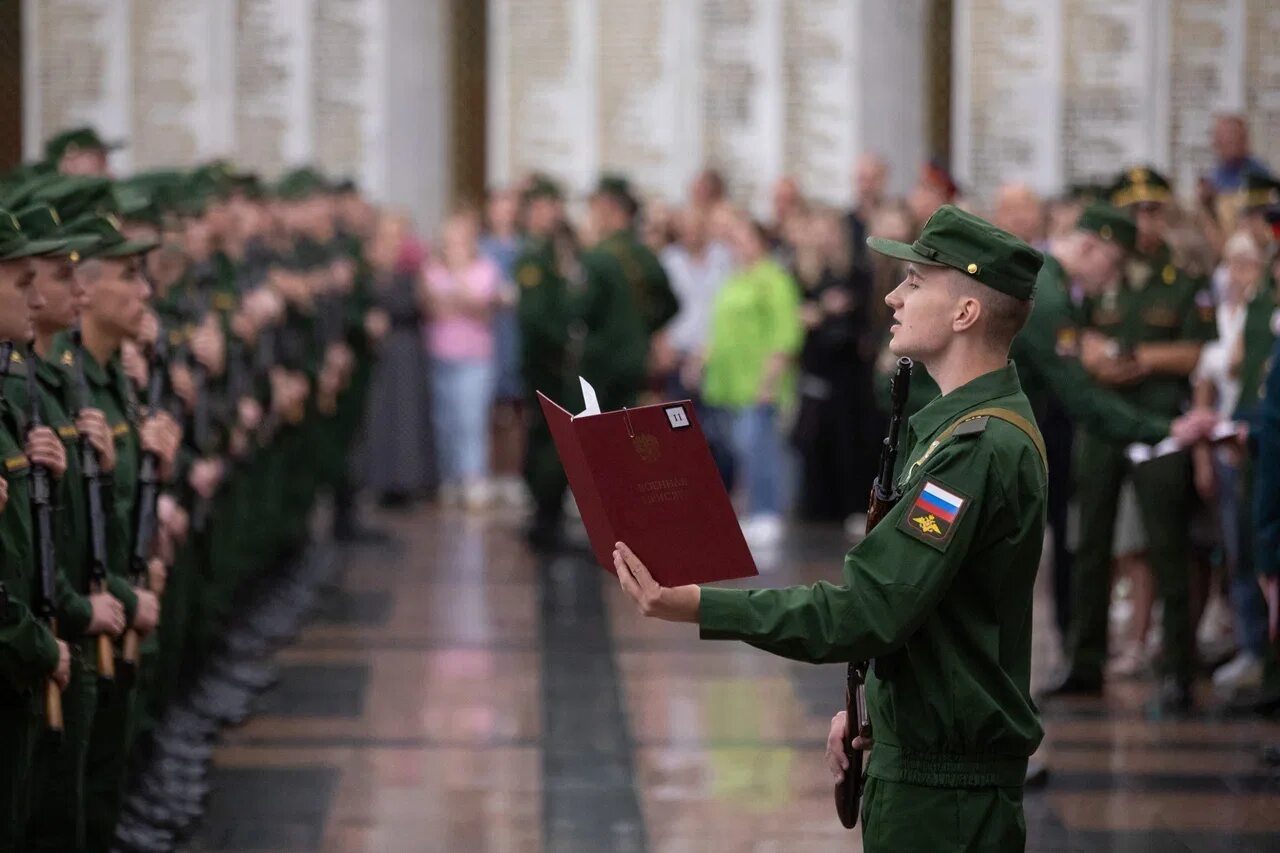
[[1113, 338], [184, 368]]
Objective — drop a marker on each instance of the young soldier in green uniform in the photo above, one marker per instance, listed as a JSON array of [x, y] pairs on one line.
[[58, 794], [1145, 339], [613, 212], [577, 316], [116, 298], [29, 653], [939, 593]]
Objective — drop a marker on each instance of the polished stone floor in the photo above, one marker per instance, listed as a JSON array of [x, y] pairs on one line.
[[455, 695]]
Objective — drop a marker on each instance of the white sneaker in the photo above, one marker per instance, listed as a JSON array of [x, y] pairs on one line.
[[762, 531], [1242, 672], [476, 495]]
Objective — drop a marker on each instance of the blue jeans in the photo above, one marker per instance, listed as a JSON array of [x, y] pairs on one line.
[[752, 435], [1246, 598], [463, 395]]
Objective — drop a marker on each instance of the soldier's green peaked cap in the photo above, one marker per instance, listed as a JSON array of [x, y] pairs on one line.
[[77, 139], [41, 222], [110, 241], [542, 186], [15, 244], [1111, 224], [975, 247]]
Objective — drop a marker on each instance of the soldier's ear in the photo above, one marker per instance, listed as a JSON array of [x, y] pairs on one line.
[[968, 310]]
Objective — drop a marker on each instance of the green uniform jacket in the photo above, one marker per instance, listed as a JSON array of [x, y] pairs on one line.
[[944, 606], [1046, 351], [1156, 304], [28, 651], [71, 527], [646, 277], [110, 391]]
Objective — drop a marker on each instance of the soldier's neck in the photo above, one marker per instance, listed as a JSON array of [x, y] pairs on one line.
[[44, 340], [963, 362], [100, 343]]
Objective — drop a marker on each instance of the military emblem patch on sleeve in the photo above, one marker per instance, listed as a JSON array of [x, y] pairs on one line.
[[933, 514]]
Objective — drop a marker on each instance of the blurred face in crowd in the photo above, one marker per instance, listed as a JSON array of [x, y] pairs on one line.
[[1020, 212], [165, 264], [84, 161], [892, 223], [925, 199], [1243, 260], [388, 236], [749, 245], [1230, 139], [787, 200], [870, 175], [198, 238], [18, 300], [1063, 215], [657, 226], [691, 228], [458, 240], [1096, 262], [542, 215], [116, 294], [607, 215], [61, 293], [923, 306], [502, 211], [1152, 219], [707, 189], [721, 222]]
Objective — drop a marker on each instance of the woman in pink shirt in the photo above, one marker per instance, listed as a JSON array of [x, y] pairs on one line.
[[460, 290]]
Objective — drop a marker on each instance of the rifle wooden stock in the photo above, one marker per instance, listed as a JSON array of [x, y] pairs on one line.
[[53, 707], [53, 721], [129, 647], [106, 658], [884, 495]]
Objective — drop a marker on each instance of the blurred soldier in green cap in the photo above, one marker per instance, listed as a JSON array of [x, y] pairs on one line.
[[29, 652], [1144, 339], [578, 316], [613, 213], [939, 593], [58, 789], [79, 151], [115, 307]]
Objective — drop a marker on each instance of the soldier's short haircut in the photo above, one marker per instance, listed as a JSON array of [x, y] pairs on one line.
[[1005, 315]]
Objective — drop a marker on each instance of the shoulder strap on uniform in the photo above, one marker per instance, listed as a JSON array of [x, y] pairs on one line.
[[1010, 417]]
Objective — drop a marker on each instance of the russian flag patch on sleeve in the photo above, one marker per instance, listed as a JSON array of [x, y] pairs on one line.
[[933, 513]]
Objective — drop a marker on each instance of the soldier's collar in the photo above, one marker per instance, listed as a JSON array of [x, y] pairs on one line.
[[944, 409]]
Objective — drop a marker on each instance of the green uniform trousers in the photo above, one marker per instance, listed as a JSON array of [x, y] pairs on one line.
[[57, 821], [1165, 497], [902, 818], [110, 744], [19, 732]]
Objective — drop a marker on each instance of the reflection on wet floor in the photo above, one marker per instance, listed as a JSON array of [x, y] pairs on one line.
[[454, 695]]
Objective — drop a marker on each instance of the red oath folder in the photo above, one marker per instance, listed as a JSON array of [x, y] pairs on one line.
[[646, 477]]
